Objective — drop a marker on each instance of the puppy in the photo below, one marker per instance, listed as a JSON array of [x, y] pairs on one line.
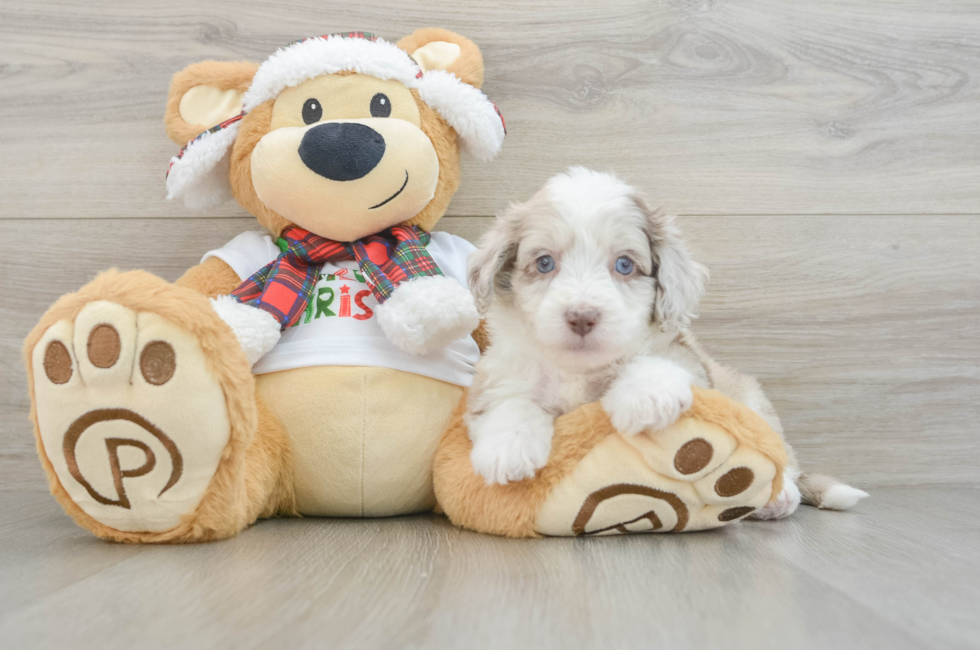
[[588, 295]]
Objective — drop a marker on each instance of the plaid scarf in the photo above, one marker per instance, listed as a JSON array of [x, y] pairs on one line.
[[284, 286]]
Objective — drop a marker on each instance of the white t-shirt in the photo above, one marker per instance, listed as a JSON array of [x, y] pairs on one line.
[[339, 327]]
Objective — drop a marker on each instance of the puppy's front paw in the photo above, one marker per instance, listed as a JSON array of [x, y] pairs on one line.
[[650, 393], [510, 444]]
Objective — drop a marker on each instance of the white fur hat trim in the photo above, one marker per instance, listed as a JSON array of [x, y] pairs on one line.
[[475, 118], [292, 65], [199, 173]]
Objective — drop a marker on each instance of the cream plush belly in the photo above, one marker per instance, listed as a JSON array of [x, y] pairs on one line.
[[363, 438]]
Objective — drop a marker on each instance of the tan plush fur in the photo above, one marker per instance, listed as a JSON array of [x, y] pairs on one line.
[[253, 127], [232, 75], [211, 278], [250, 472], [444, 141], [256, 125], [269, 487], [269, 468], [468, 67], [510, 510]]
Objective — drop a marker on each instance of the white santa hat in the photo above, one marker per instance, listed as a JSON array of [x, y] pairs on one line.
[[198, 174]]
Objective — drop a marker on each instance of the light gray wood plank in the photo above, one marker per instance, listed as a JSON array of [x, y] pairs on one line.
[[35, 533], [895, 574], [752, 107], [939, 529], [862, 329]]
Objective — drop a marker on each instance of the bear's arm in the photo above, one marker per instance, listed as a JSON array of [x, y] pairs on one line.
[[213, 277]]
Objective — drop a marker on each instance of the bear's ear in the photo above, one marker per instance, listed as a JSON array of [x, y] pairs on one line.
[[440, 49], [205, 94]]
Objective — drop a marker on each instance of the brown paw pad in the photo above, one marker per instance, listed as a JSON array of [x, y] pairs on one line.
[[158, 362], [693, 456], [731, 514], [734, 481], [103, 346], [57, 363]]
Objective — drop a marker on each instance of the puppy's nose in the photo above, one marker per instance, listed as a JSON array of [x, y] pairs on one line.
[[342, 151], [582, 321]]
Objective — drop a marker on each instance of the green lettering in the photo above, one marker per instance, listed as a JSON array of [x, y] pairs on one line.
[[323, 306]]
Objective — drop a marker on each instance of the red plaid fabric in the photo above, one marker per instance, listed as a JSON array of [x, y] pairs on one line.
[[284, 286]]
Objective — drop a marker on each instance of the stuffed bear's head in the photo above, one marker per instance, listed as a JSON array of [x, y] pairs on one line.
[[343, 135]]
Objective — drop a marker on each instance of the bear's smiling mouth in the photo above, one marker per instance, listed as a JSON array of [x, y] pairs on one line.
[[400, 190]]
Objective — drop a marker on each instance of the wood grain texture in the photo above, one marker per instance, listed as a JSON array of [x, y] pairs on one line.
[[843, 131], [750, 107], [866, 579], [863, 329]]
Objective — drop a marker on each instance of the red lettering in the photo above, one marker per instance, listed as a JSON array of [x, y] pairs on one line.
[[359, 301]]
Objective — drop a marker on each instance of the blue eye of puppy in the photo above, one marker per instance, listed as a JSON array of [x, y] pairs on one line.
[[380, 105], [546, 264], [624, 265], [312, 111]]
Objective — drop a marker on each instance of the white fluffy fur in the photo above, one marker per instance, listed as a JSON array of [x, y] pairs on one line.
[[292, 65], [256, 329], [538, 367], [677, 307], [200, 177], [650, 392], [467, 110], [841, 497], [427, 313], [511, 442]]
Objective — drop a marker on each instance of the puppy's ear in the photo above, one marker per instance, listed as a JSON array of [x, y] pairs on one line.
[[205, 94], [680, 280], [440, 49], [489, 266]]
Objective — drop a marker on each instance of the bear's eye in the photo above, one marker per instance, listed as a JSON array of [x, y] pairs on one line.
[[312, 111], [380, 105]]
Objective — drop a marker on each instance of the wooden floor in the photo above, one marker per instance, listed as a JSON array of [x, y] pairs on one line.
[[901, 571], [824, 158]]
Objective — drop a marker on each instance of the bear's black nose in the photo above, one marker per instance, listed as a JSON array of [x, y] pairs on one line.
[[342, 151]]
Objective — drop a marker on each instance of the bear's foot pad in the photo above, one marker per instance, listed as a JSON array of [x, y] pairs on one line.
[[130, 416], [691, 476]]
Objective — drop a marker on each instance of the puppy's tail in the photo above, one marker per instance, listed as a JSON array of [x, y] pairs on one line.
[[827, 492]]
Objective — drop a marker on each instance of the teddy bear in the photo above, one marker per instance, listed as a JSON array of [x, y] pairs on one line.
[[310, 368], [317, 367]]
